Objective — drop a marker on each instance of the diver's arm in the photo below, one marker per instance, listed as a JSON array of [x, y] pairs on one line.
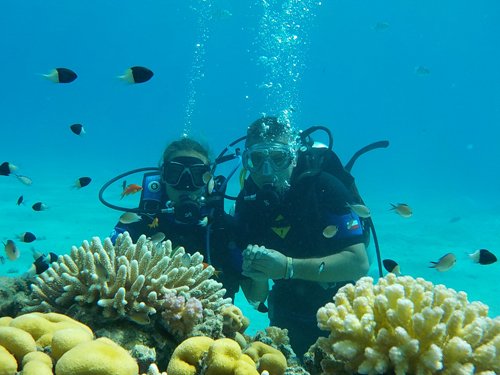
[[349, 264]]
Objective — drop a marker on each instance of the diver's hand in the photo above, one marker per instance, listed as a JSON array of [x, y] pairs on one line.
[[260, 263]]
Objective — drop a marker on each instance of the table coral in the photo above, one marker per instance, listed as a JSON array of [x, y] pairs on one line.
[[131, 281], [406, 326]]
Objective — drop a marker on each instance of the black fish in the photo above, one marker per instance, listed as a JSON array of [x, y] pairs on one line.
[[39, 206], [61, 75], [82, 182], [77, 129], [20, 200], [262, 308], [27, 237], [483, 257], [6, 168], [42, 263], [137, 74], [391, 266]]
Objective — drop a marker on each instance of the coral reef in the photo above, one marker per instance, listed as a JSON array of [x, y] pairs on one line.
[[14, 295], [139, 282], [404, 325], [202, 355], [267, 358], [233, 321], [35, 343]]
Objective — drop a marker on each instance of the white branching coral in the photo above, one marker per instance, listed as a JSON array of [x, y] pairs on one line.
[[406, 326], [128, 280]]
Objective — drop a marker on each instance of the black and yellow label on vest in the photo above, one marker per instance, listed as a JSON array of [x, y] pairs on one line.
[[280, 229]]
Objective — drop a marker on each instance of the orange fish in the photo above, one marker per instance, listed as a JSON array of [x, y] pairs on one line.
[[131, 189], [216, 272], [154, 223]]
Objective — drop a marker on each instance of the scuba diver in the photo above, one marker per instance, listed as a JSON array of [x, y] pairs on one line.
[[182, 202], [297, 226]]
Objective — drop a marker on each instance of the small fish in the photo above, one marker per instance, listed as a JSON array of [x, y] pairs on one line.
[[210, 185], [124, 184], [216, 271], [445, 262], [330, 231], [129, 218], [6, 168], [207, 176], [2, 259], [422, 71], [61, 75], [157, 237], [262, 308], [321, 267], [39, 206], [20, 200], [82, 182], [26, 237], [101, 272], [154, 223], [381, 26], [455, 219], [137, 74], [402, 209], [130, 189], [78, 129], [483, 257], [24, 179], [141, 318], [392, 266], [203, 222], [11, 250], [42, 263], [186, 260], [360, 210]]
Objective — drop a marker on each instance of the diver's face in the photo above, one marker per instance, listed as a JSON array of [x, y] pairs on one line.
[[185, 173], [270, 163]]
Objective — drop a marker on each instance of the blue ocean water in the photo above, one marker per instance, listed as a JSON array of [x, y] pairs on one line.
[[422, 74]]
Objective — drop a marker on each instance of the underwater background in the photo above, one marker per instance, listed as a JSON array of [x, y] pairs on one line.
[[422, 74]]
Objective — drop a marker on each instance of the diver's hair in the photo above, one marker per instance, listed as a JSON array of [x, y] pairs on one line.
[[270, 129], [184, 144]]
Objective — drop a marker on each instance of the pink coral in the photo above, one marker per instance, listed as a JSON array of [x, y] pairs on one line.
[[180, 315]]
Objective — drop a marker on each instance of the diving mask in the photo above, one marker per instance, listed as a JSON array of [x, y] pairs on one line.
[[186, 173], [267, 158]]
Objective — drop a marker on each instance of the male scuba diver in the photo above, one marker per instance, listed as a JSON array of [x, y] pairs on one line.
[[297, 229], [175, 205]]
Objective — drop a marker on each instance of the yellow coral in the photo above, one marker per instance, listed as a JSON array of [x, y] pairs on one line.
[[224, 357], [69, 342], [233, 320], [17, 342], [186, 356], [8, 363], [98, 357], [407, 325], [267, 358]]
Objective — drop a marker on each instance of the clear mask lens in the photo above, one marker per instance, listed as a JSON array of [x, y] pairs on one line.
[[263, 157]]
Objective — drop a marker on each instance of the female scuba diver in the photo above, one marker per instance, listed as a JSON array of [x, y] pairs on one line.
[[176, 204]]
